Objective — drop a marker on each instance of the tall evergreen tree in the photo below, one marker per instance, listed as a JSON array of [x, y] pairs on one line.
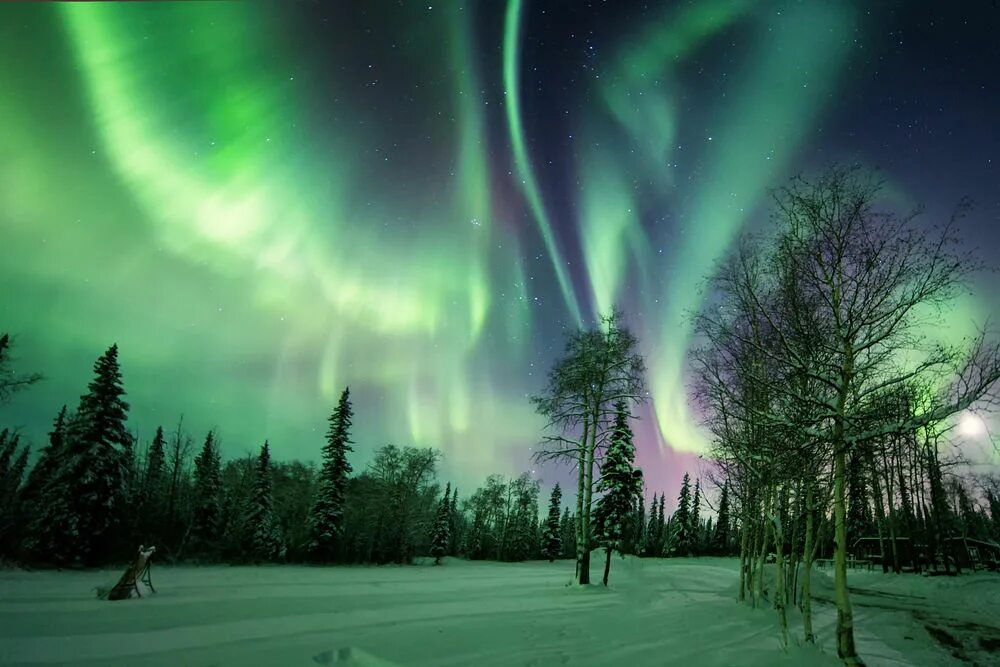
[[206, 526], [651, 547], [47, 464], [639, 535], [326, 521], [13, 461], [265, 541], [720, 540], [661, 526], [682, 517], [454, 524], [551, 535], [694, 525], [80, 509], [442, 531], [567, 533], [621, 485]]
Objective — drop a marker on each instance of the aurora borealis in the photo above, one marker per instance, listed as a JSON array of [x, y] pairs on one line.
[[262, 203]]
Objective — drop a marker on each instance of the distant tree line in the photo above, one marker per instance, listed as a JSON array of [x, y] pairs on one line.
[[94, 493]]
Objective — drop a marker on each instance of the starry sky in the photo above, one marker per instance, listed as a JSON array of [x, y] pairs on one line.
[[263, 203]]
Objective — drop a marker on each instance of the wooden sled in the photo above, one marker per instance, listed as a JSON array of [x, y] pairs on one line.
[[138, 572]]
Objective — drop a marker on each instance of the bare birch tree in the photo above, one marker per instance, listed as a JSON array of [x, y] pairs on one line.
[[599, 368], [846, 292]]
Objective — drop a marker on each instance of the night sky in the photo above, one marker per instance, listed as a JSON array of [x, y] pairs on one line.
[[262, 203]]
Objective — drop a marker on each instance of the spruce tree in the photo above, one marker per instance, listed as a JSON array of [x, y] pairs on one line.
[[552, 535], [650, 547], [640, 527], [13, 461], [454, 525], [207, 518], [442, 532], [694, 523], [265, 542], [661, 526], [80, 508], [682, 517], [720, 541], [326, 521], [567, 533], [47, 464], [621, 485]]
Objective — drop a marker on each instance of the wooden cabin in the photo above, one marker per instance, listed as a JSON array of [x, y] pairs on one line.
[[974, 554]]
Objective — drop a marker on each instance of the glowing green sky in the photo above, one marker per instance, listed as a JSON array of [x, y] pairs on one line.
[[262, 206]]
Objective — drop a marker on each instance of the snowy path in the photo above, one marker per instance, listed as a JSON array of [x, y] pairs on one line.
[[673, 612]]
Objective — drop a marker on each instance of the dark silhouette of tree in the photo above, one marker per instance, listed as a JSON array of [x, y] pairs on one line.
[[621, 486], [265, 541], [13, 461], [682, 518], [552, 536], [810, 330], [206, 525], [442, 532], [721, 538], [327, 518], [600, 367], [10, 381], [80, 509]]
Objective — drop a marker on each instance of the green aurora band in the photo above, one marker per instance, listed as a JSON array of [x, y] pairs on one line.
[[265, 240]]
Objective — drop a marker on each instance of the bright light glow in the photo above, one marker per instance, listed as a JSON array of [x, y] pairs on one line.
[[971, 425]]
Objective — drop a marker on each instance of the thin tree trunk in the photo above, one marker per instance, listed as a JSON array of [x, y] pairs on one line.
[[779, 574], [891, 514], [880, 520], [580, 482], [744, 541], [588, 491], [845, 617], [607, 565], [762, 554], [807, 557]]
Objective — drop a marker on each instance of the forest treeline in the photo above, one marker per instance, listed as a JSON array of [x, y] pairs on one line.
[[94, 493], [825, 389]]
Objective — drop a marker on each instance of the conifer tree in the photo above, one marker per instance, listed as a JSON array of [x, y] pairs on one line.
[[47, 464], [621, 485], [567, 532], [640, 527], [682, 517], [326, 521], [153, 492], [694, 525], [454, 524], [155, 464], [80, 509], [552, 534], [13, 461], [265, 542], [720, 540], [651, 547], [206, 526], [442, 533], [661, 526]]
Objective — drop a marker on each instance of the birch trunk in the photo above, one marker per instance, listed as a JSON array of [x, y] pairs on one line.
[[807, 558], [779, 576], [580, 482], [845, 617]]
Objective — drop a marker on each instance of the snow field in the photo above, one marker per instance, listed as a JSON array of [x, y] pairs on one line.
[[656, 612]]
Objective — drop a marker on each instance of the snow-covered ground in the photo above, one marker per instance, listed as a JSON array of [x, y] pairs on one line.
[[656, 612]]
